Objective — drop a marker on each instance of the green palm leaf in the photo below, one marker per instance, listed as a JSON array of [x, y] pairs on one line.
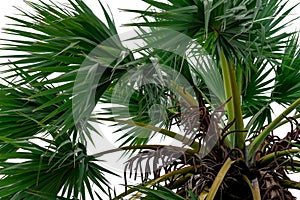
[[287, 87], [234, 25], [54, 44], [49, 170], [159, 193]]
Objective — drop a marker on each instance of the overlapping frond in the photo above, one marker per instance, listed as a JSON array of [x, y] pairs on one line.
[[287, 86], [44, 168], [234, 25], [54, 41], [37, 85]]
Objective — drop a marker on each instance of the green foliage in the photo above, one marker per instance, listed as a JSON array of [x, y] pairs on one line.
[[54, 44], [234, 26], [287, 87], [160, 193], [36, 99], [59, 73], [48, 168]]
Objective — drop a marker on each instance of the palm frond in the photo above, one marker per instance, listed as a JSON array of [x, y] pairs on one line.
[[234, 25], [158, 192], [47, 168], [256, 93], [287, 87], [54, 43]]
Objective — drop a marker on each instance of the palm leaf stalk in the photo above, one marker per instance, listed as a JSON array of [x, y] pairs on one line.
[[234, 106]]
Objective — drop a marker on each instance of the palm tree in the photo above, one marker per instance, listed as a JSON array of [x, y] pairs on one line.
[[200, 71]]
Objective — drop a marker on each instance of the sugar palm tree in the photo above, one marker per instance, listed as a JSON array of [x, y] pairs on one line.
[[67, 62]]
